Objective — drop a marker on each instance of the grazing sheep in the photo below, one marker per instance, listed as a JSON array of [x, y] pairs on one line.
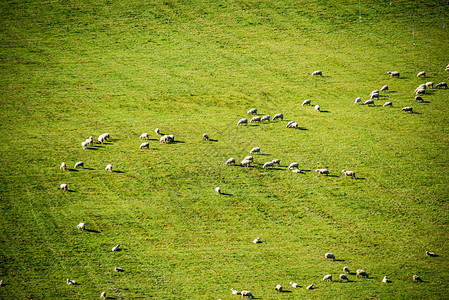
[[310, 287], [306, 102], [247, 294], [369, 102], [385, 279], [63, 166], [293, 165], [393, 74], [144, 136], [255, 119], [117, 269], [317, 108], [257, 241], [218, 190], [145, 145], [388, 104], [81, 226], [255, 150], [421, 74], [90, 141], [235, 292], [296, 171], [165, 139], [410, 109], [108, 168], [79, 164], [245, 163], [362, 273], [252, 111], [374, 92], [384, 88], [329, 256], [116, 248], [322, 171], [205, 137], [419, 98], [442, 84], [343, 277], [242, 121], [278, 116], [348, 173], [327, 277], [374, 96], [316, 73], [71, 282], [432, 254], [101, 139], [64, 187], [230, 161], [103, 295], [417, 278], [346, 269], [289, 123], [268, 164], [420, 91], [157, 131], [249, 157], [276, 161], [265, 118], [84, 145], [292, 125], [278, 288], [1, 282], [357, 100], [171, 138], [429, 84], [294, 284]]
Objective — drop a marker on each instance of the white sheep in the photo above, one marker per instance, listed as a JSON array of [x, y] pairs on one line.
[[63, 166], [90, 141], [218, 190], [255, 119], [372, 96], [171, 138], [255, 150], [117, 269], [278, 116], [374, 92], [420, 90], [145, 145], [292, 125], [327, 277], [410, 109], [79, 164], [245, 163], [289, 123], [103, 295], [441, 84], [369, 102], [230, 161], [235, 292], [157, 131], [252, 111], [417, 278], [393, 73], [205, 137], [71, 282], [64, 187], [268, 164], [257, 241], [247, 294], [343, 277], [322, 171], [84, 145], [317, 108], [265, 118], [294, 284], [346, 269], [357, 100], [432, 254], [310, 287], [144, 136], [388, 104], [278, 288], [276, 161], [421, 74], [329, 256], [164, 139], [101, 139], [316, 73], [362, 273], [108, 168], [384, 88], [306, 102], [296, 171], [116, 248], [429, 84], [293, 165], [385, 279], [81, 226], [348, 173], [242, 121]]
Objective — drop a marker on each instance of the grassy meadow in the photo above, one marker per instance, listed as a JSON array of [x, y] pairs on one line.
[[74, 69]]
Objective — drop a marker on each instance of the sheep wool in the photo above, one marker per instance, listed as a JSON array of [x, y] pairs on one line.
[[81, 226], [145, 145], [63, 166], [327, 277], [306, 102]]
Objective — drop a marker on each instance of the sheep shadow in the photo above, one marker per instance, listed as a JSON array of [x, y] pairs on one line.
[[332, 176], [324, 111], [264, 154], [302, 128], [360, 178], [88, 168], [306, 170], [97, 146], [424, 101], [339, 260], [226, 194], [113, 140], [73, 170], [120, 172], [286, 291], [91, 230], [211, 140], [71, 191], [90, 148], [179, 142]]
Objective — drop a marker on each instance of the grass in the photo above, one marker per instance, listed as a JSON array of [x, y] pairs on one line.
[[74, 69]]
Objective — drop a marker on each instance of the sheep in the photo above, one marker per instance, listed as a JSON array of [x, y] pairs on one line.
[[1, 282], [296, 171], [278, 116], [252, 111], [265, 118], [205, 137], [289, 123], [362, 273], [416, 278], [294, 284], [429, 84], [81, 226], [357, 100], [145, 145], [257, 241], [247, 294], [278, 288], [343, 277], [101, 139], [317, 108], [421, 74], [306, 102], [245, 163], [242, 121], [64, 187], [84, 145], [316, 73], [431, 254], [292, 125], [322, 171], [235, 292], [346, 269], [230, 161], [255, 119], [310, 287], [117, 269], [144, 136], [255, 150], [348, 173], [79, 164], [171, 138], [108, 168], [371, 96], [90, 141], [369, 102], [249, 157], [164, 139], [71, 282], [116, 248], [329, 256], [384, 88], [387, 104], [420, 91], [419, 98], [157, 131], [63, 166], [276, 161], [441, 84], [268, 164], [374, 92], [293, 165], [410, 109], [385, 279], [327, 277], [218, 190], [393, 74], [103, 295]]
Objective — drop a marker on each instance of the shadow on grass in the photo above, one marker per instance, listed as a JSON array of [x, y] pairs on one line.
[[360, 178], [213, 140], [120, 172], [90, 148], [324, 111], [306, 170], [302, 128], [71, 191], [333, 176], [339, 260], [73, 170], [91, 230], [226, 194], [180, 142], [88, 168], [286, 291], [263, 154], [97, 146]]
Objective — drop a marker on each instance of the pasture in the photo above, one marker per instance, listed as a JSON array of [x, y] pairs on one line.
[[74, 69]]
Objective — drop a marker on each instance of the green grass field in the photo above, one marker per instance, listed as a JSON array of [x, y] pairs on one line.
[[74, 69]]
